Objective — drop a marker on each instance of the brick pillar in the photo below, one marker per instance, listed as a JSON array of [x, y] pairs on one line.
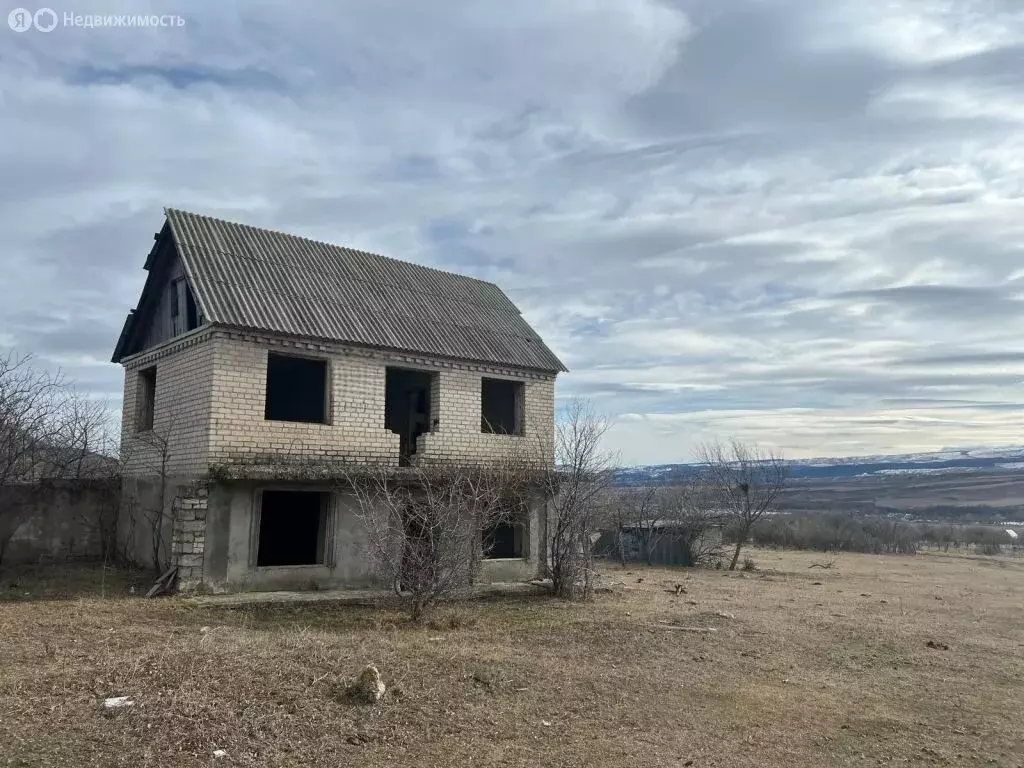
[[189, 537]]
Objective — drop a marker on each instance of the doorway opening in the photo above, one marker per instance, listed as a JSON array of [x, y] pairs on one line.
[[407, 408]]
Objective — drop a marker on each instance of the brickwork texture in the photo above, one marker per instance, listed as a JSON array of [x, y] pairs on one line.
[[210, 399], [178, 443]]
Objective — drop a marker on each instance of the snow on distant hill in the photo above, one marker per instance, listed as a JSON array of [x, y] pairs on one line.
[[1007, 459]]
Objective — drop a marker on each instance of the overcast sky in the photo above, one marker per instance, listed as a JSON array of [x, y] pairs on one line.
[[791, 221]]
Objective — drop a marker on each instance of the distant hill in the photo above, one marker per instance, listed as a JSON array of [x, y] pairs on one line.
[[1010, 459]]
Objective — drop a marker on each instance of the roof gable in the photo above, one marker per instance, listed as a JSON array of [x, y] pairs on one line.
[[259, 279], [149, 323]]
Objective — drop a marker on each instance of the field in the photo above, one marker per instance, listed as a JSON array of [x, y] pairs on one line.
[[929, 496], [897, 661]]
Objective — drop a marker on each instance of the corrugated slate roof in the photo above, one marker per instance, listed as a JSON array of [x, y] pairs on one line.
[[270, 281]]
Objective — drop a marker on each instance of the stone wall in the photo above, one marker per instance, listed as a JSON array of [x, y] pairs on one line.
[[59, 520], [188, 538], [150, 510]]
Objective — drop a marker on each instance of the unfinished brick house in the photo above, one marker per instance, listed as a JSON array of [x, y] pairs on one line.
[[253, 353]]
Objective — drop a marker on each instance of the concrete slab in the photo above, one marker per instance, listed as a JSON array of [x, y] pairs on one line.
[[354, 596]]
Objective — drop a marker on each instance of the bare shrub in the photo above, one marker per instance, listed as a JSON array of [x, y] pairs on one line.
[[982, 537], [576, 488], [425, 524], [157, 516], [837, 533]]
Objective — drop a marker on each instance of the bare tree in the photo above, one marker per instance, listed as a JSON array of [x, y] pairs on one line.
[[87, 453], [576, 488], [47, 431], [745, 482], [30, 405], [143, 516], [425, 524]]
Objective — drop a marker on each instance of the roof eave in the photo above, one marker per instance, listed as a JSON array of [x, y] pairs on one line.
[[397, 350], [122, 340]]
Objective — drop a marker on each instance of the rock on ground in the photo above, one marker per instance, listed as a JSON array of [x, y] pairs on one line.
[[117, 702], [369, 685]]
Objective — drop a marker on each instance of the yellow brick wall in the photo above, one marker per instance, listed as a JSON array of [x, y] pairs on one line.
[[238, 428], [457, 437], [211, 396], [356, 431], [181, 412]]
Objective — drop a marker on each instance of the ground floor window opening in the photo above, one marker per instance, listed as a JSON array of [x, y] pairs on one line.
[[293, 528], [504, 540]]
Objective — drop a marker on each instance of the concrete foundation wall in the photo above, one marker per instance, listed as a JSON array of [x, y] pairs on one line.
[[58, 521], [231, 538], [531, 565], [506, 569]]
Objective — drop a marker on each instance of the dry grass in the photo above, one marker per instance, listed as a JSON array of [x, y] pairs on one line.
[[806, 668]]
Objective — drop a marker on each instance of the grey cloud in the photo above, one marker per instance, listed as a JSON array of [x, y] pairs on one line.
[[745, 64], [947, 302], [918, 402], [177, 77], [1000, 66], [961, 359], [708, 208], [928, 294], [71, 337]]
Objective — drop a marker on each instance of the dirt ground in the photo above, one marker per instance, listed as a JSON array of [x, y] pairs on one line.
[[895, 660]]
